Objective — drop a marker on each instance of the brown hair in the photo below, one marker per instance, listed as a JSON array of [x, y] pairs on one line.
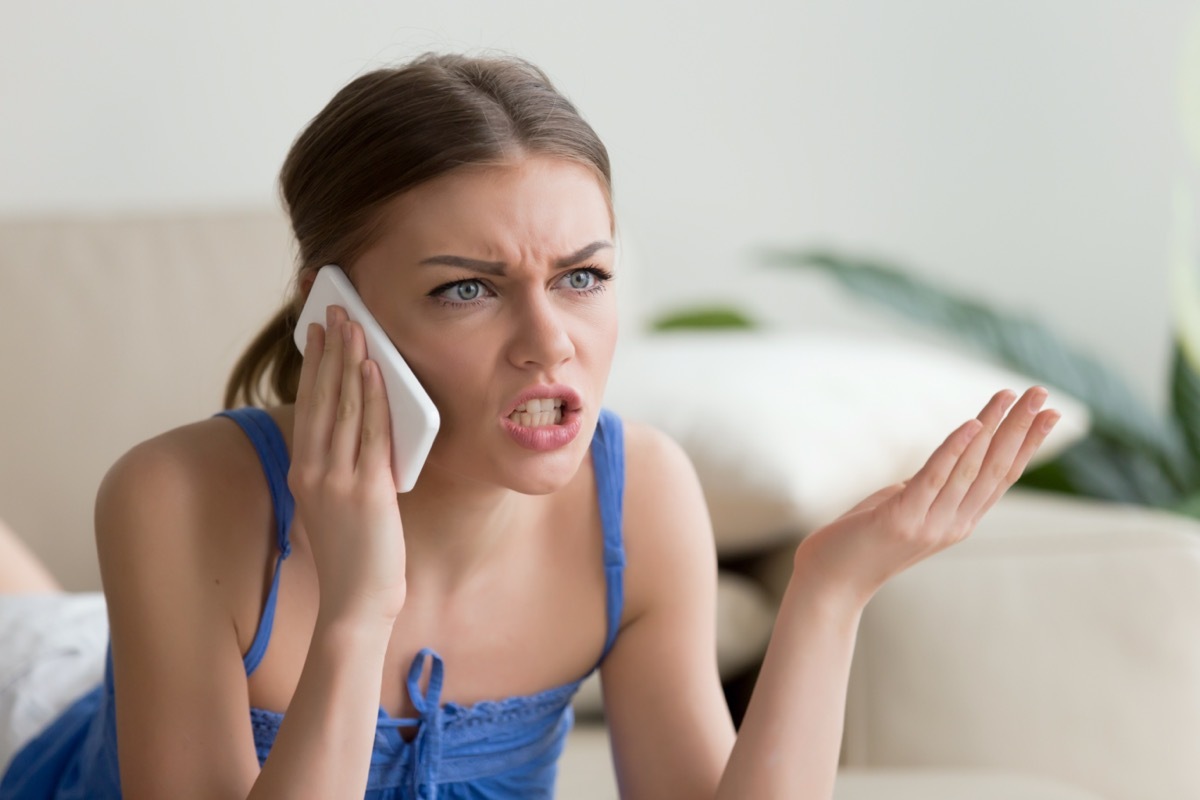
[[384, 133]]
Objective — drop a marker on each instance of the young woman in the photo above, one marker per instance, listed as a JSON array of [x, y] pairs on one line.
[[427, 644]]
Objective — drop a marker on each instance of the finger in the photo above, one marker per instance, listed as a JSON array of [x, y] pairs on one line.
[[1038, 431], [313, 344], [927, 483], [993, 410], [1003, 452], [913, 503], [375, 447], [943, 512], [347, 426], [326, 389]]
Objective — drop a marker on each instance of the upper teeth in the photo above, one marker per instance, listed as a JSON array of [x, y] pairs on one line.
[[540, 404]]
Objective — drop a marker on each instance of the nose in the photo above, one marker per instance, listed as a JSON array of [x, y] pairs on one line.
[[540, 337]]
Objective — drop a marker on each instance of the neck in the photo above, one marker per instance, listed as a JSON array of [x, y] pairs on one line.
[[453, 525]]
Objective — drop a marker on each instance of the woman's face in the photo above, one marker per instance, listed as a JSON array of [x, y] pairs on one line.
[[492, 281]]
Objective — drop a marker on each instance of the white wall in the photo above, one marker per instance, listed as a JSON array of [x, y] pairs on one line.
[[1024, 151]]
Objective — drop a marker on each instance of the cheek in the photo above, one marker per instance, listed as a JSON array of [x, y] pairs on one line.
[[600, 336], [452, 373]]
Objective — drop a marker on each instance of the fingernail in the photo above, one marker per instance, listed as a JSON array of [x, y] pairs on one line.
[[1037, 400], [1050, 420], [328, 317], [346, 332]]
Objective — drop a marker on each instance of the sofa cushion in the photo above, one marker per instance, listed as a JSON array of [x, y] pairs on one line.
[[1062, 639], [950, 784], [114, 329], [586, 773]]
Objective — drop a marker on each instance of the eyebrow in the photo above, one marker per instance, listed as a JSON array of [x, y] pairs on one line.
[[497, 267]]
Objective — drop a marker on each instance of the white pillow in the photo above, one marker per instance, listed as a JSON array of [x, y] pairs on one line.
[[787, 431]]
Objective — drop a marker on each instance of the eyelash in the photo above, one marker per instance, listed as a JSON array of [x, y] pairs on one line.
[[602, 275]]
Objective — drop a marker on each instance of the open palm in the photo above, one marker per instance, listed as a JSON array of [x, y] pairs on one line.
[[937, 507]]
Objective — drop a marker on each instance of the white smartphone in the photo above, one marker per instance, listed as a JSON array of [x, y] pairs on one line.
[[414, 417]]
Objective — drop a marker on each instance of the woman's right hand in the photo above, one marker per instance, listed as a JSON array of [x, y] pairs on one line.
[[341, 475]]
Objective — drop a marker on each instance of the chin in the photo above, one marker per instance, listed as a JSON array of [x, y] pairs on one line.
[[542, 474], [493, 458], [547, 485]]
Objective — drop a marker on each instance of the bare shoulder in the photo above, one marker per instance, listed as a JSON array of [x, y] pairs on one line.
[[191, 498], [666, 523], [193, 473], [659, 474], [641, 437]]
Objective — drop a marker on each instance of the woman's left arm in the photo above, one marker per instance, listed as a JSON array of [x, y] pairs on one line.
[[670, 729]]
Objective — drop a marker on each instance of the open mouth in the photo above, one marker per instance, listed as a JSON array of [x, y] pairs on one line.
[[538, 413]]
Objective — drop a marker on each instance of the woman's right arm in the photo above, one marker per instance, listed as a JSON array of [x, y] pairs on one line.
[[182, 710]]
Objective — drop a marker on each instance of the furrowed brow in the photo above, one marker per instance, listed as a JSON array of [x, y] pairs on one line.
[[490, 267], [584, 253], [497, 267]]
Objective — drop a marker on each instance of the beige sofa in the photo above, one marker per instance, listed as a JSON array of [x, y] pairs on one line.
[[1054, 655]]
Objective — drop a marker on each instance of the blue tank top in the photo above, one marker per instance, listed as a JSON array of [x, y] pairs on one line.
[[489, 750]]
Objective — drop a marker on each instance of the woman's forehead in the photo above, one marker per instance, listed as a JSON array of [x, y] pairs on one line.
[[540, 209]]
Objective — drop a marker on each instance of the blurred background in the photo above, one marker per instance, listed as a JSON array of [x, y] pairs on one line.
[[1024, 153], [1036, 158]]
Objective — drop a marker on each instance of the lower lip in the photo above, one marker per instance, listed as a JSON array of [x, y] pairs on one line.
[[545, 437]]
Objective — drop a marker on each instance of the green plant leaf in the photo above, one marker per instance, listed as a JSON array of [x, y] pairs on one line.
[[1185, 399], [1155, 456], [1049, 476], [1098, 466], [1185, 320], [1189, 506], [703, 317], [1184, 277]]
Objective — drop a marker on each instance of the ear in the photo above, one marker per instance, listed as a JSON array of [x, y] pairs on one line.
[[307, 276]]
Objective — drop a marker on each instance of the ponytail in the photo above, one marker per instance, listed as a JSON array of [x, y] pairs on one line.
[[273, 355]]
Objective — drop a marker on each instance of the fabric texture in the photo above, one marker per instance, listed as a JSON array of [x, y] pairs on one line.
[[507, 748], [53, 652]]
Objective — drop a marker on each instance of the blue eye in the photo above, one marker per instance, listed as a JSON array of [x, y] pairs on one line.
[[459, 293], [580, 274], [598, 277], [463, 293]]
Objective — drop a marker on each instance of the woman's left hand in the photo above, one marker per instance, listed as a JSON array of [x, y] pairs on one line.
[[902, 524]]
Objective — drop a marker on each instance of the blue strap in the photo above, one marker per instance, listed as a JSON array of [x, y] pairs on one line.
[[428, 704], [272, 453], [258, 648], [609, 461]]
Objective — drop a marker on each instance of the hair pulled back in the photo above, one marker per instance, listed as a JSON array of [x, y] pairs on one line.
[[382, 134]]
